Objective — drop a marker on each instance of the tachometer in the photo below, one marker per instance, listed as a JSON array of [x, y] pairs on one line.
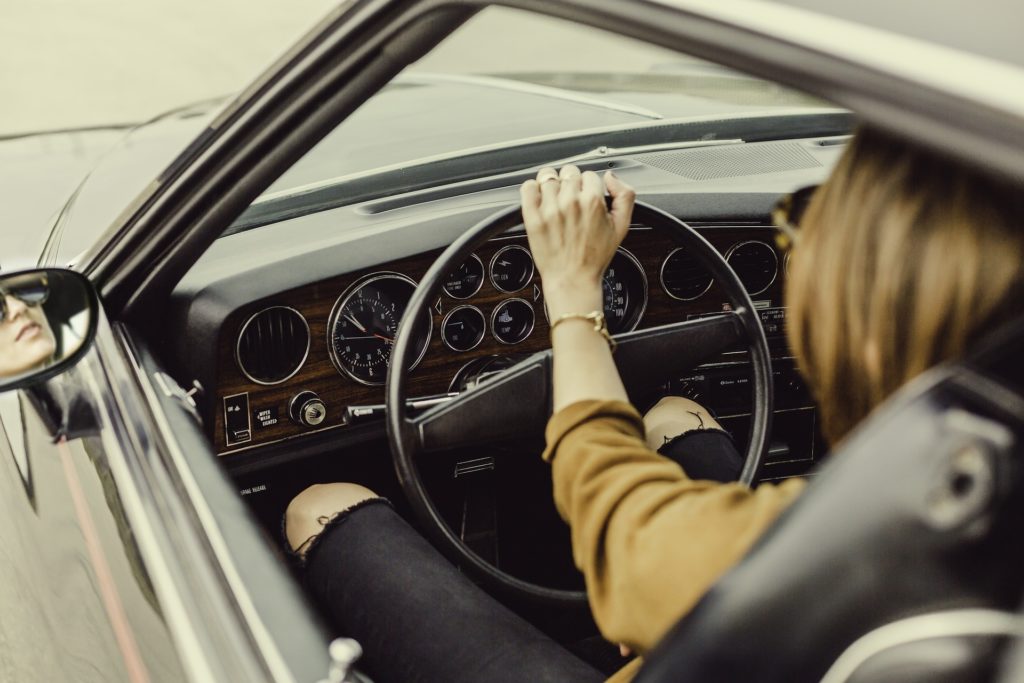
[[363, 325]]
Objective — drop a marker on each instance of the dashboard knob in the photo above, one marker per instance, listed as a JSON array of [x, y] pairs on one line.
[[307, 409]]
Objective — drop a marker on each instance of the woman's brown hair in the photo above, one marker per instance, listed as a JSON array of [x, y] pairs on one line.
[[904, 259]]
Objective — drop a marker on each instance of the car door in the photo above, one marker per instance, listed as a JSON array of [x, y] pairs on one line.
[[79, 600], [128, 555], [227, 604], [131, 556]]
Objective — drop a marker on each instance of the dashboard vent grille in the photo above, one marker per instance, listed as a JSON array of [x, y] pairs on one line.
[[273, 345], [731, 162]]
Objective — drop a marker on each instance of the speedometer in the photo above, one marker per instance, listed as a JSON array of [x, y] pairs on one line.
[[363, 325], [624, 292]]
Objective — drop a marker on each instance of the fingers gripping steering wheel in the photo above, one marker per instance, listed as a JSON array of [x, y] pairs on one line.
[[484, 414]]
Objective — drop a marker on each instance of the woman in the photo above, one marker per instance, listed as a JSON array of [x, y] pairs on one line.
[[26, 338], [904, 261]]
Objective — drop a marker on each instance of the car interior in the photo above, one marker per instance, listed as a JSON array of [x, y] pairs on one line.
[[288, 321], [300, 313]]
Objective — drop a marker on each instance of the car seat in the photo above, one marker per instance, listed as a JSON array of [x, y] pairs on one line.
[[902, 560]]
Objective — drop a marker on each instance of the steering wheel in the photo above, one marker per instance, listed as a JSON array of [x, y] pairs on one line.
[[485, 414]]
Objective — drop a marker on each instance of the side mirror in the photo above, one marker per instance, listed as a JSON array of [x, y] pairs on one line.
[[48, 321]]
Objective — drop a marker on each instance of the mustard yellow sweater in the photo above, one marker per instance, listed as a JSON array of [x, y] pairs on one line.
[[648, 539]]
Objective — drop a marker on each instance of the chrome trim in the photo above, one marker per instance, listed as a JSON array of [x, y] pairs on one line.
[[964, 622], [241, 333], [661, 278], [483, 332], [339, 304], [490, 268], [769, 247], [473, 466], [646, 293], [533, 322], [604, 151], [483, 274], [529, 89], [258, 634]]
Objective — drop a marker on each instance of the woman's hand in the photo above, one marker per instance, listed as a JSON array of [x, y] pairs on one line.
[[573, 235]]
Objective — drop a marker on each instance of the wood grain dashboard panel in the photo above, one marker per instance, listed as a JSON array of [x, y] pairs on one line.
[[268, 405]]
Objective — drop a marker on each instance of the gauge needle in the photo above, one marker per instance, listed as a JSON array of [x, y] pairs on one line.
[[372, 335], [355, 322]]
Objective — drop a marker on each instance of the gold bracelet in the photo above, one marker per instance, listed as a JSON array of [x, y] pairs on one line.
[[596, 317]]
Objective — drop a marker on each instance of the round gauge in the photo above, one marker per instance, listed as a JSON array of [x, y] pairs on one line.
[[363, 325], [755, 264], [683, 276], [511, 268], [466, 281], [512, 321], [463, 328], [624, 288]]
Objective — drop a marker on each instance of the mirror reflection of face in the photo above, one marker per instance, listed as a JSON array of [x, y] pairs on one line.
[[26, 340]]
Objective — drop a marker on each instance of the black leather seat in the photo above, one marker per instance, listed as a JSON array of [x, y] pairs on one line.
[[919, 512]]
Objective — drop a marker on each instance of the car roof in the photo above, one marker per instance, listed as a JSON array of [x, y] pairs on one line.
[[987, 28]]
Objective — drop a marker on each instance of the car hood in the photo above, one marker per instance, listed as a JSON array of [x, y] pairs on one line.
[[127, 167], [418, 116]]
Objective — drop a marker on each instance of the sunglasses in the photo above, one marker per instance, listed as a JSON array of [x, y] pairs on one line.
[[788, 213], [33, 293]]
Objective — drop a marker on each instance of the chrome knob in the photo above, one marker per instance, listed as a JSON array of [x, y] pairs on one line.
[[307, 409]]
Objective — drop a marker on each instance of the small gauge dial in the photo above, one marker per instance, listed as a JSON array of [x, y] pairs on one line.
[[466, 280], [364, 323], [463, 328], [683, 276], [755, 264], [511, 268], [512, 321], [624, 291]]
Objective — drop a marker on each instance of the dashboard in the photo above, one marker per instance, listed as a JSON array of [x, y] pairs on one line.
[[315, 357], [287, 326]]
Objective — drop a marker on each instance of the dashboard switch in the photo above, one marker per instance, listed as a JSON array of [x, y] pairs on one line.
[[237, 426], [307, 409]]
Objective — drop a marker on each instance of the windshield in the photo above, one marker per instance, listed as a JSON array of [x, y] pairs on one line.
[[508, 78]]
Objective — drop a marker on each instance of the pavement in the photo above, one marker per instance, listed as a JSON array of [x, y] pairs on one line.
[[67, 66], [68, 63]]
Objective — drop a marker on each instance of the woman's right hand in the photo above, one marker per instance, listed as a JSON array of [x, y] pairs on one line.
[[573, 235]]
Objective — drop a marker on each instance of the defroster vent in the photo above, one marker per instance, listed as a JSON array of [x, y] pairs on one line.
[[273, 345]]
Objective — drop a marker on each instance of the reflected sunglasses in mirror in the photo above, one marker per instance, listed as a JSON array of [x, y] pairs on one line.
[[33, 292], [788, 213]]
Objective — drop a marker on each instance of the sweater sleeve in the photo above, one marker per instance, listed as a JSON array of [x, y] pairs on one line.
[[649, 540]]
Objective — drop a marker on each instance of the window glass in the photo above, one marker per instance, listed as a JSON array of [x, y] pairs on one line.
[[506, 78]]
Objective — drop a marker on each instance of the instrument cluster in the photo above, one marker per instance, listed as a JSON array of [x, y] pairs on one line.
[[333, 340], [365, 318]]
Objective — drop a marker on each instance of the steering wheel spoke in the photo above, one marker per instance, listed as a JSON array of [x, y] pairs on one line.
[[646, 357], [503, 406]]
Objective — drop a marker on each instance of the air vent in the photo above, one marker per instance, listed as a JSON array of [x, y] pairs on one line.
[[683, 276], [273, 345], [732, 162]]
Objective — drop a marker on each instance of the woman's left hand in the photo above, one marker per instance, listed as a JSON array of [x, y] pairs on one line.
[[573, 234]]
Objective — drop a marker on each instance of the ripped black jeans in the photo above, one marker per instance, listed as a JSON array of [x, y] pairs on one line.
[[420, 620]]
